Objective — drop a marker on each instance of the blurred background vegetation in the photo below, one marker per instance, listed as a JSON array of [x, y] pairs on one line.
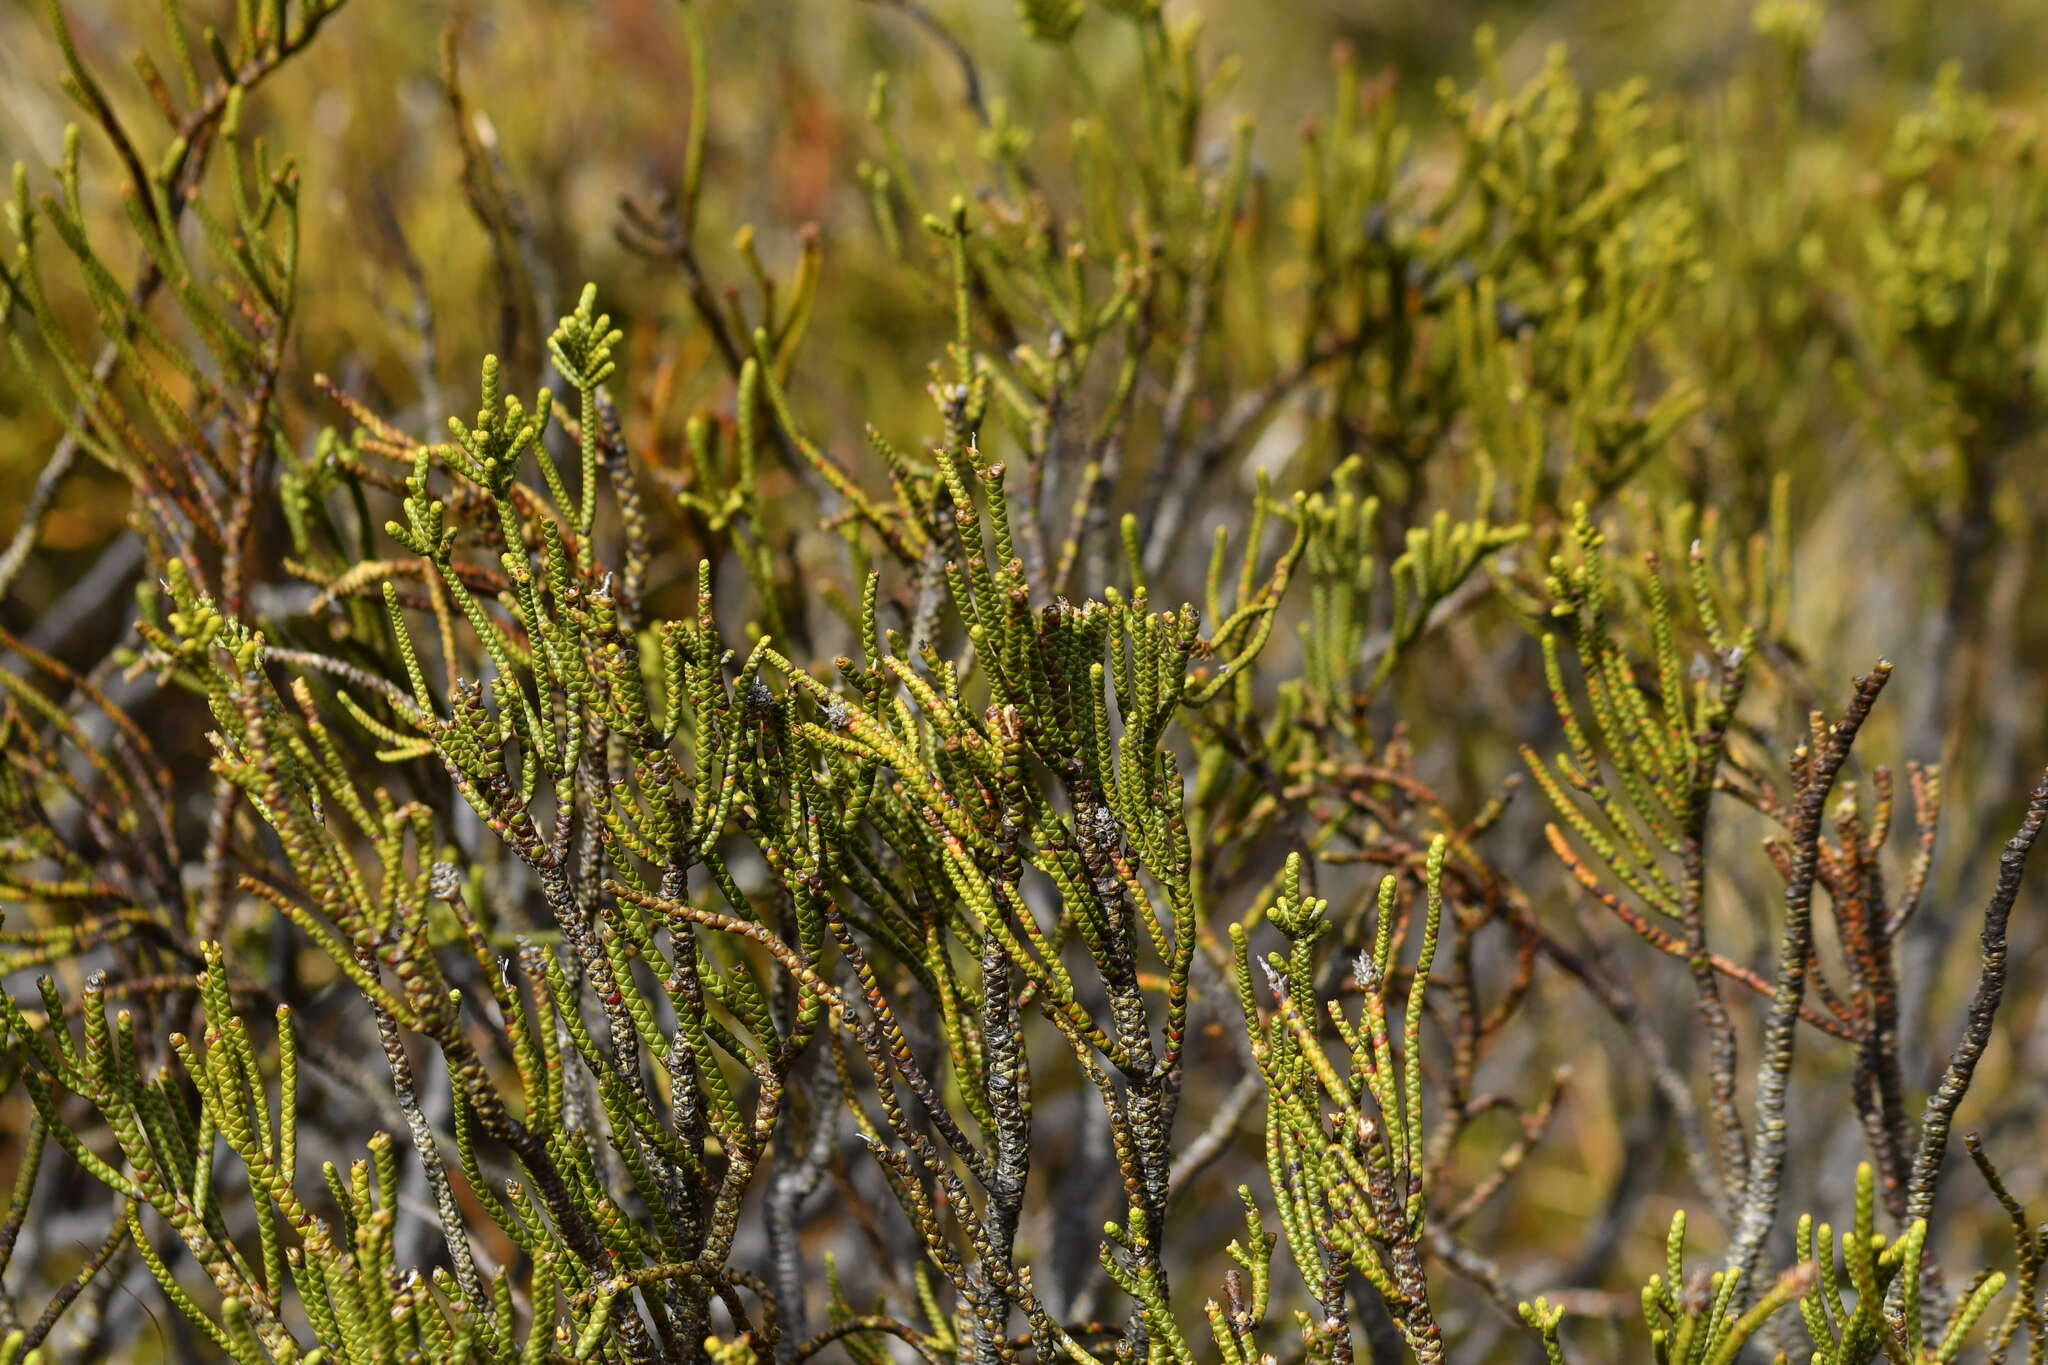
[[579, 104]]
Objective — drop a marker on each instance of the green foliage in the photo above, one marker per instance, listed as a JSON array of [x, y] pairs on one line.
[[1350, 1182]]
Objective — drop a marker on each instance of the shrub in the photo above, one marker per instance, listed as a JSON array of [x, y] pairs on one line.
[[707, 859]]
